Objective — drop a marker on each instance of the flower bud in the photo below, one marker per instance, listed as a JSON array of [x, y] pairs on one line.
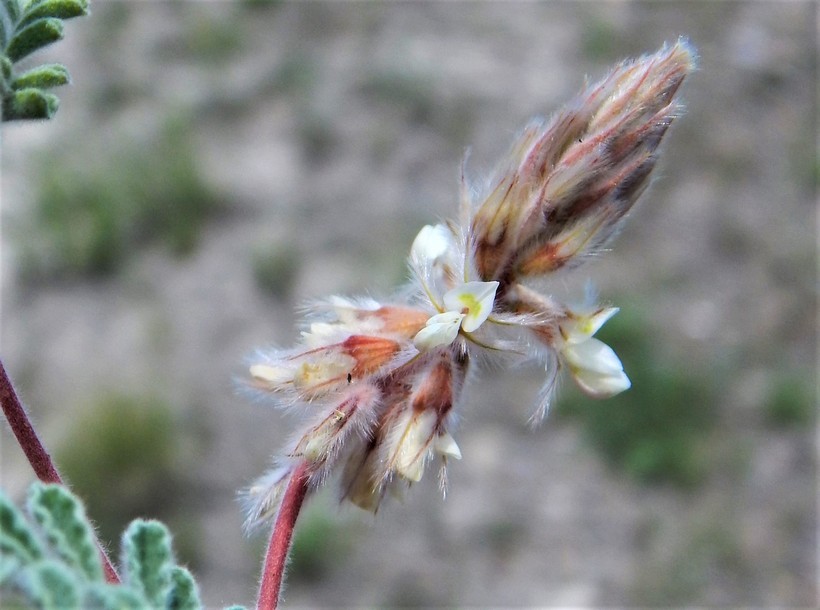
[[567, 183]]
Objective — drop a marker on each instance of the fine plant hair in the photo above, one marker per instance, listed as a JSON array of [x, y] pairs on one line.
[[378, 383], [50, 560]]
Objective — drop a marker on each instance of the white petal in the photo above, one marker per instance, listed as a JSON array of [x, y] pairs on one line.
[[446, 317], [441, 329], [319, 375], [414, 441], [599, 318], [432, 242], [361, 483], [474, 298], [596, 368], [275, 375], [323, 333], [594, 356], [582, 327], [412, 471], [596, 385], [445, 444]]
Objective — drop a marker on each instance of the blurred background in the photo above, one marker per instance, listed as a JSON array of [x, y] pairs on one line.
[[216, 164]]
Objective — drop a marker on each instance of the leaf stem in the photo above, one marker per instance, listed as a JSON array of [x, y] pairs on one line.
[[36, 453], [274, 570]]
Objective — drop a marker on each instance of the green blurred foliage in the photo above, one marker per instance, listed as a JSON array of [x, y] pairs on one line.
[[412, 93], [213, 39], [414, 98], [319, 544], [677, 576], [658, 430], [317, 136], [503, 537], [88, 218], [260, 5], [276, 269], [790, 402], [296, 74], [205, 37], [123, 457], [599, 39]]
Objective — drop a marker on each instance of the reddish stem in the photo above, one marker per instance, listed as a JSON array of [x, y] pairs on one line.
[[36, 453], [279, 546]]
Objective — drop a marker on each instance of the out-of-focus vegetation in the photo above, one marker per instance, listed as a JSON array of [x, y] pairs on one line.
[[124, 456], [207, 38], [658, 430], [599, 38], [678, 574], [319, 544], [790, 402], [276, 269], [412, 98], [90, 216]]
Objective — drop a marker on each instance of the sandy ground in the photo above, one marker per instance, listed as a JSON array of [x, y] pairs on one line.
[[720, 255]]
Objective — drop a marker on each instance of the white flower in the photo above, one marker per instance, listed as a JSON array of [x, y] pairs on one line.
[[469, 305], [475, 299], [271, 375], [417, 430], [445, 445], [417, 439], [593, 364], [579, 328], [432, 242], [441, 329], [596, 368], [434, 260], [324, 333]]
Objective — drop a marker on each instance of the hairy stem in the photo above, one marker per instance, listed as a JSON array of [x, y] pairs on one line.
[[36, 453], [19, 422], [280, 540]]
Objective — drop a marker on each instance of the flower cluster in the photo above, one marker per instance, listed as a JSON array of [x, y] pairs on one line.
[[379, 382]]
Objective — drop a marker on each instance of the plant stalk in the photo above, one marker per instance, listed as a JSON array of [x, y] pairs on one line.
[[277, 554], [36, 453]]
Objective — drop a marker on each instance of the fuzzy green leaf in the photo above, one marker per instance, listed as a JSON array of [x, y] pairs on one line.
[[148, 559], [103, 596], [59, 9], [42, 77], [49, 585], [12, 9], [5, 28], [6, 68], [8, 567], [29, 104], [62, 518], [184, 593], [17, 539], [35, 36]]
